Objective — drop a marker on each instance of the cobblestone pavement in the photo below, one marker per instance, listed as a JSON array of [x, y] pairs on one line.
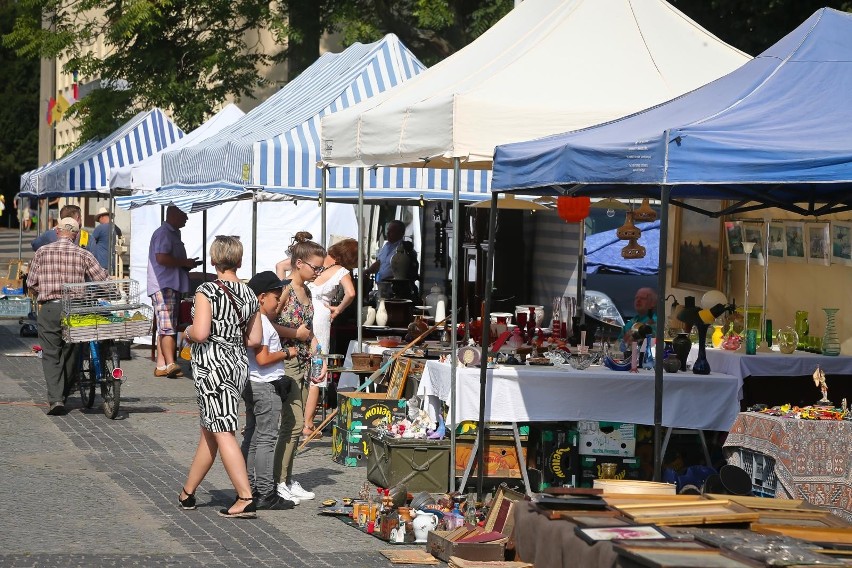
[[83, 490]]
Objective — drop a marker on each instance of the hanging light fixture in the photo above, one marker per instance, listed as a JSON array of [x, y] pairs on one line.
[[573, 209], [633, 250], [645, 213], [628, 231]]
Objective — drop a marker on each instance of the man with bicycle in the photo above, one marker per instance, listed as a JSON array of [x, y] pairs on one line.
[[60, 262]]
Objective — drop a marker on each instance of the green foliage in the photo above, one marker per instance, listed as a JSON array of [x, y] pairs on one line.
[[183, 55], [19, 113]]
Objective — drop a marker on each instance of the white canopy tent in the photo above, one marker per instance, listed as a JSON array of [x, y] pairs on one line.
[[549, 66]]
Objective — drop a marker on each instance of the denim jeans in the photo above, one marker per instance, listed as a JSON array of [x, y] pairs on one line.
[[263, 411]]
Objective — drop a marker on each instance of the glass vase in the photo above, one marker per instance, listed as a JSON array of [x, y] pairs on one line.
[[830, 340]]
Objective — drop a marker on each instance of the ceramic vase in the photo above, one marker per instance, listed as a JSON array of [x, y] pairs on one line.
[[382, 314], [802, 328], [830, 340], [423, 523], [681, 345], [370, 316], [787, 340]]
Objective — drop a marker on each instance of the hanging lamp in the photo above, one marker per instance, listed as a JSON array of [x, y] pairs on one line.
[[633, 250], [645, 213], [573, 209], [628, 230]]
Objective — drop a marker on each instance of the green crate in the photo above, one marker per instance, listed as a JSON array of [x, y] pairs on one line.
[[420, 465]]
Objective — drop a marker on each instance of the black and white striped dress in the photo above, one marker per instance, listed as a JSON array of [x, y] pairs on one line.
[[220, 364]]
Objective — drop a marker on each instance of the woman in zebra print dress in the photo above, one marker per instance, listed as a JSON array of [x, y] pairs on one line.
[[224, 312]]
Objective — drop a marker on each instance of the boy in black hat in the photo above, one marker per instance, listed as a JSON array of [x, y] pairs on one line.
[[263, 395]]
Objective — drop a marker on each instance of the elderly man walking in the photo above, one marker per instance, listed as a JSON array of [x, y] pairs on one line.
[[168, 279], [54, 264]]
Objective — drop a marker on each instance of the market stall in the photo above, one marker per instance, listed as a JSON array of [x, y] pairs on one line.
[[738, 138]]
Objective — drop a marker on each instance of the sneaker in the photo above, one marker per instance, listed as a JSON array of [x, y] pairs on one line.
[[299, 492], [273, 502], [284, 492]]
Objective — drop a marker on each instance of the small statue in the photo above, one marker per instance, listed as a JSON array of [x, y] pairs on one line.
[[843, 405], [819, 381]]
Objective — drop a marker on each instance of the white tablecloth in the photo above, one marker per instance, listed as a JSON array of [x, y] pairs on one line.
[[530, 394], [772, 364]]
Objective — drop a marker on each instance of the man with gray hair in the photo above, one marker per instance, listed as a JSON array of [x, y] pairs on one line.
[[54, 264], [645, 302]]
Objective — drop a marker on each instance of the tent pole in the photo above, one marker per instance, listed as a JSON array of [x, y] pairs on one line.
[[665, 196], [20, 226], [254, 232], [486, 341], [113, 270], [204, 243], [360, 307], [454, 317], [324, 211], [581, 273]]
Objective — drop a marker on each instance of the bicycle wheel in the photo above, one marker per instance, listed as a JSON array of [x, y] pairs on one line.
[[87, 377], [110, 385]]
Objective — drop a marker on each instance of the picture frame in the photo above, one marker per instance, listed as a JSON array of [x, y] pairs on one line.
[[841, 242], [817, 244], [396, 384], [593, 535], [794, 242], [697, 262], [753, 232], [682, 558], [777, 242], [734, 240]]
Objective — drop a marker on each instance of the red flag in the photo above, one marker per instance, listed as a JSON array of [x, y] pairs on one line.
[[50, 104]]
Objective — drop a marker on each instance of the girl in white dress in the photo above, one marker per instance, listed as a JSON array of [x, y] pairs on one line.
[[341, 258]]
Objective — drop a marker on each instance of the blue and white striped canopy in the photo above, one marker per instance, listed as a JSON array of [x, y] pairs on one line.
[[31, 180], [87, 169], [275, 147]]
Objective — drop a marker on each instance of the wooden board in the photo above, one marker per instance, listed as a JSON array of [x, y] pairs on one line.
[[811, 534], [406, 556], [686, 513], [631, 487], [760, 502]]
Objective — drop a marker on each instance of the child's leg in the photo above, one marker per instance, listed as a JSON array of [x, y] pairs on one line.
[[249, 443], [267, 412]]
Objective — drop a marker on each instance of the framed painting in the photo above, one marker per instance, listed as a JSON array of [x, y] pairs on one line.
[[794, 238], [817, 244], [841, 242], [697, 249], [777, 243], [734, 240], [753, 233], [636, 532]]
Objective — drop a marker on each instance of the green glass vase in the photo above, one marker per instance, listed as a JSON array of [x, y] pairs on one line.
[[830, 340]]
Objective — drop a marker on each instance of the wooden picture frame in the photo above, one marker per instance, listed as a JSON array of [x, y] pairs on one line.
[[734, 239], [777, 242], [841, 242], [697, 259], [817, 244], [667, 557], [594, 535], [396, 384]]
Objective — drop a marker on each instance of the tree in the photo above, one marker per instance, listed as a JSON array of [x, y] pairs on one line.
[[184, 55], [19, 114]]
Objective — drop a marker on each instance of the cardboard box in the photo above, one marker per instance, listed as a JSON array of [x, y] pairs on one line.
[[626, 468], [501, 518], [348, 447], [607, 438], [421, 465], [501, 456], [367, 409], [557, 456]]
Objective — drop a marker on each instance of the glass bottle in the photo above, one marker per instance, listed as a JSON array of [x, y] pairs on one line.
[[445, 336], [801, 327]]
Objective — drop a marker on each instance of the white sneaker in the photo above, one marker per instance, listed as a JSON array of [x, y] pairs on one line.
[[299, 492], [284, 493]]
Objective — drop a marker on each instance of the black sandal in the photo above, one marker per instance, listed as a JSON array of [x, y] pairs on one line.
[[250, 512], [187, 504]]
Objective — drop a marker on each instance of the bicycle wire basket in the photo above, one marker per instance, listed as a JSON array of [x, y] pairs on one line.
[[96, 311]]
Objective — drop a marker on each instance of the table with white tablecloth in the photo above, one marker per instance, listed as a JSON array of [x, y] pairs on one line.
[[543, 394]]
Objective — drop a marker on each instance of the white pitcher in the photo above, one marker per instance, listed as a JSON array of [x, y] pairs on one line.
[[423, 523]]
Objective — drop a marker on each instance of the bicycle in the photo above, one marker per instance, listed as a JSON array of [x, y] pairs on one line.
[[95, 315], [99, 365]]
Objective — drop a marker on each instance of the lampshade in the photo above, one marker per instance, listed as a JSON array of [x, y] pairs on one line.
[[645, 213], [573, 209], [633, 250], [748, 246], [609, 203], [509, 201], [711, 298], [628, 230], [709, 315], [689, 313]]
